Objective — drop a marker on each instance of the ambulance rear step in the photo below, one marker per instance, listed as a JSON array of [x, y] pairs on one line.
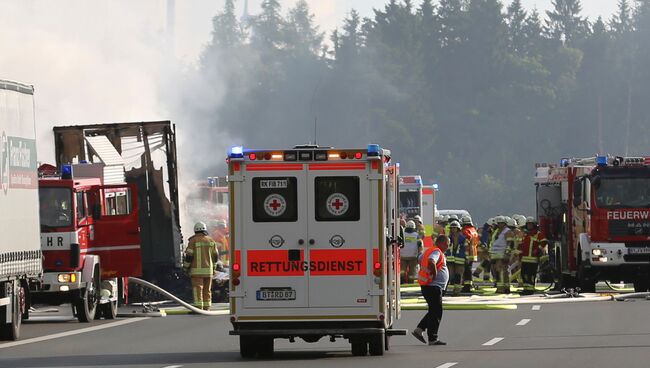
[[320, 332]]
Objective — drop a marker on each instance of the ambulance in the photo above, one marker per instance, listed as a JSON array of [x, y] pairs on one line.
[[314, 244]]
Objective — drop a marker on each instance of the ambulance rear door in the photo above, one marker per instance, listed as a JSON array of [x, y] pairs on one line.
[[340, 233], [274, 237]]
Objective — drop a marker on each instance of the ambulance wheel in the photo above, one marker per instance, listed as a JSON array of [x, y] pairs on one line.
[[247, 348], [376, 344], [387, 342], [359, 347], [11, 330], [265, 347]]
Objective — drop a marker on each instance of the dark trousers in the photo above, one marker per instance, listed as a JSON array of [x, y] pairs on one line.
[[431, 320]]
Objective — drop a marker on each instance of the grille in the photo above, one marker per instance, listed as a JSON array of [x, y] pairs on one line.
[[629, 228], [637, 258]]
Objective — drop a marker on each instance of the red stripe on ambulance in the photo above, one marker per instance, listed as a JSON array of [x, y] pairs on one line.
[[273, 263], [274, 167], [338, 166], [338, 262]]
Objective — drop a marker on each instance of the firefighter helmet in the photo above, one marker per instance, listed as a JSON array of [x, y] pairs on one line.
[[500, 219], [466, 220], [418, 218], [491, 221], [531, 219], [511, 222], [221, 223], [453, 218], [520, 220], [454, 224], [410, 224], [200, 227]]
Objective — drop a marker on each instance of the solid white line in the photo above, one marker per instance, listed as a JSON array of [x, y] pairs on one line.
[[173, 366], [523, 322], [70, 333], [447, 365], [537, 307], [493, 341]]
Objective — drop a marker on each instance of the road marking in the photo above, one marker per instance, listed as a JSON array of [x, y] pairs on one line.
[[173, 366], [493, 341], [537, 307], [523, 322], [447, 365], [70, 333]]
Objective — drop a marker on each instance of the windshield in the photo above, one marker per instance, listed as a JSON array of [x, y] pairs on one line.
[[55, 207], [409, 203], [623, 192]]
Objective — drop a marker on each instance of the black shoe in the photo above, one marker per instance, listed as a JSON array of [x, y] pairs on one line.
[[417, 333], [437, 342]]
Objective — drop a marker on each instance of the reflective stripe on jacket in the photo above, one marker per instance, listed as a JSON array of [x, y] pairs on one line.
[[531, 247]]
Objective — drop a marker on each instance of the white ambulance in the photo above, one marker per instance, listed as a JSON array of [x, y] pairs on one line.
[[314, 244]]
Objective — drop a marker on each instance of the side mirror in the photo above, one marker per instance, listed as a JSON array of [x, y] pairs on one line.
[[97, 212]]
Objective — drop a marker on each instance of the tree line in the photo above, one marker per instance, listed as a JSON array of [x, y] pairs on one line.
[[467, 93]]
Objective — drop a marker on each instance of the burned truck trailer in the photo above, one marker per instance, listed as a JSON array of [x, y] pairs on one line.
[[149, 151]]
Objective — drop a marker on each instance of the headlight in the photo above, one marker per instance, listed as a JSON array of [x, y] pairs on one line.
[[67, 277], [596, 252]]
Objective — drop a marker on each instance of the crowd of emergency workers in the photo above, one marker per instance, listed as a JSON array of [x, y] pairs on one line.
[[505, 249]]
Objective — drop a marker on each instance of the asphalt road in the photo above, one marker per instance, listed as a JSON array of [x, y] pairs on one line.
[[594, 334]]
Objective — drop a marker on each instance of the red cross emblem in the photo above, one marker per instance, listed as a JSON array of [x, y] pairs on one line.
[[337, 204], [275, 205]]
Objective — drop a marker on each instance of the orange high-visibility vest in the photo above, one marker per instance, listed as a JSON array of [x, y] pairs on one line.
[[424, 277]]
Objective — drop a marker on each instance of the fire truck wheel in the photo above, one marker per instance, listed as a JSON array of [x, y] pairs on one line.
[[86, 301], [376, 344], [265, 347], [247, 346], [108, 310], [11, 330], [359, 347]]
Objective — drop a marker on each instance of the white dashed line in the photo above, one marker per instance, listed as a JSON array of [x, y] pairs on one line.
[[523, 322], [537, 307], [71, 333], [493, 341], [447, 365]]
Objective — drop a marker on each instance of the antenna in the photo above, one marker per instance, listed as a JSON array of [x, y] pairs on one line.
[[315, 126]]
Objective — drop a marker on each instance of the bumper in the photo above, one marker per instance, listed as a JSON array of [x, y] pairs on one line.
[[51, 283], [284, 333], [616, 254]]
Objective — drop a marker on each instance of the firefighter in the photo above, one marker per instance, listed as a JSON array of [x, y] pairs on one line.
[[470, 233], [500, 252], [420, 226], [201, 257], [532, 248], [410, 252], [220, 235], [439, 228], [519, 232], [450, 218], [483, 251], [458, 245]]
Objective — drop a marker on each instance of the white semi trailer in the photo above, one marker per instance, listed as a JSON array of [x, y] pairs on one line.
[[20, 254]]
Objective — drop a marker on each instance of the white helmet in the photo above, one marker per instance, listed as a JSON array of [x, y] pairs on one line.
[[511, 222], [531, 219], [221, 223], [491, 221], [453, 218], [520, 220], [454, 224], [418, 218], [444, 218], [200, 227], [500, 219], [466, 220], [410, 224]]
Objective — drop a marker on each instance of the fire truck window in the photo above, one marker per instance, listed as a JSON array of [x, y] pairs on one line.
[[55, 207], [409, 203], [118, 203], [337, 198], [81, 206], [623, 193], [275, 199]]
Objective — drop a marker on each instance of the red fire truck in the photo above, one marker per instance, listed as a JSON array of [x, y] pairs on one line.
[[90, 239], [596, 213], [314, 249]]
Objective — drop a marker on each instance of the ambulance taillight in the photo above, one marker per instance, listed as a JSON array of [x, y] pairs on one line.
[[236, 268]]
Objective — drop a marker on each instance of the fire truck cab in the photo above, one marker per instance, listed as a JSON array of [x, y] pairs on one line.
[[314, 247], [596, 214], [90, 239]]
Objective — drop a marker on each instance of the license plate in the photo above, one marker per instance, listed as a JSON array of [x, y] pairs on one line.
[[638, 251], [276, 294]]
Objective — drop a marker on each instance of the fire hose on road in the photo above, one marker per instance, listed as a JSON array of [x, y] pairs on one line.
[[169, 295]]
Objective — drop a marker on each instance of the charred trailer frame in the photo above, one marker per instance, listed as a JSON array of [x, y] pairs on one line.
[[162, 241]]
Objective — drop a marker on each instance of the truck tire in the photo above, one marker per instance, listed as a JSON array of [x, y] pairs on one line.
[[376, 344], [359, 347], [87, 300], [11, 330], [108, 310], [265, 347], [247, 348]]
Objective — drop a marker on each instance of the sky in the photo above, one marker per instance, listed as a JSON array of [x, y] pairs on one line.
[[97, 61]]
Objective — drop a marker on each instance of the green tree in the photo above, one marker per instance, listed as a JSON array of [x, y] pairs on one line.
[[301, 33], [516, 18], [564, 21], [268, 25]]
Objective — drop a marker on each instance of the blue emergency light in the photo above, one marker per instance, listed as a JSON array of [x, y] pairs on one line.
[[418, 180], [564, 162], [601, 160], [435, 186], [210, 182], [236, 152], [66, 171], [374, 150]]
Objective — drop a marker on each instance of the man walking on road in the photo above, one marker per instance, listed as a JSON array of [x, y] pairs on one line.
[[433, 278], [201, 257]]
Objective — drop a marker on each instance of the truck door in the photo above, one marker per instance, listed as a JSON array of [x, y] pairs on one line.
[[273, 247], [115, 232], [340, 234]]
